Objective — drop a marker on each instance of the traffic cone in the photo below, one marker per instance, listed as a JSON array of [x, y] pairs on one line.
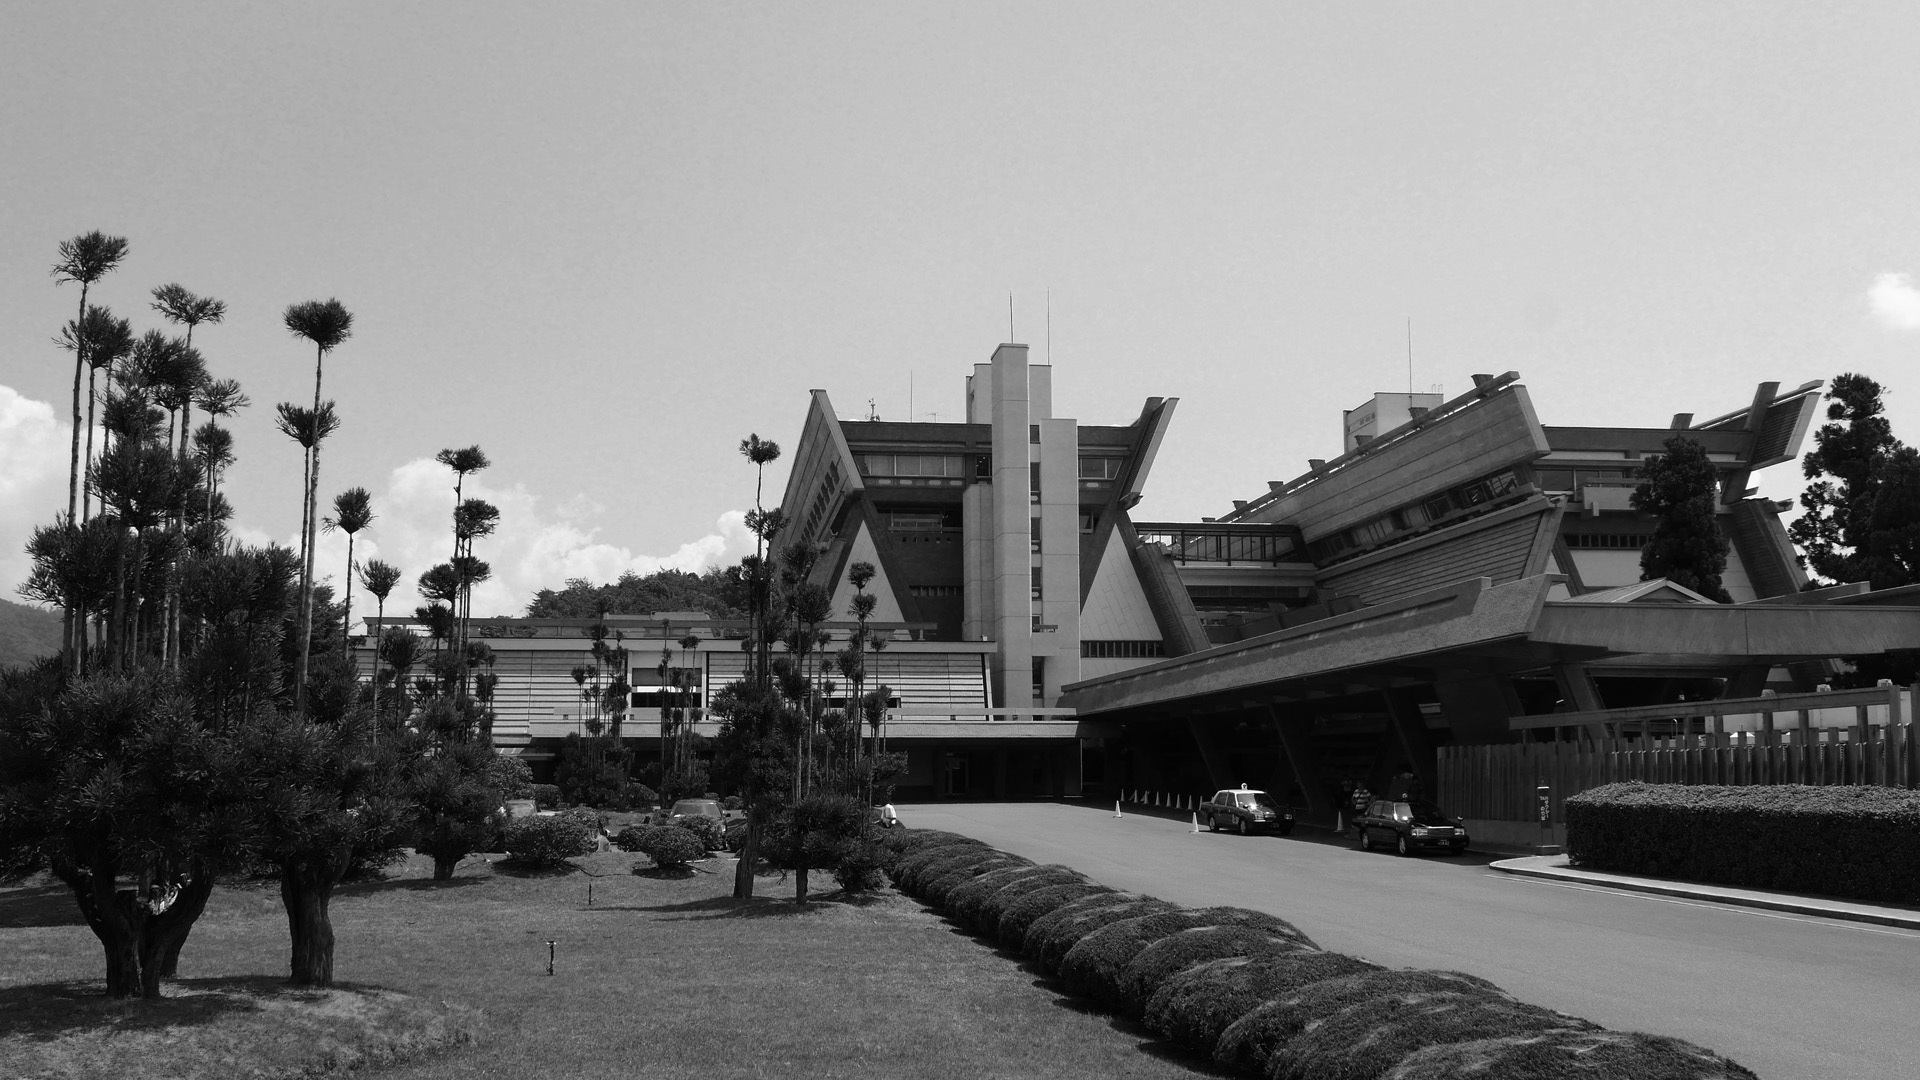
[[1116, 808], [1196, 823]]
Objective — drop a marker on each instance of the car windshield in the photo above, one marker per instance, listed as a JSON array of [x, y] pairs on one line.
[[1255, 798], [1429, 814], [694, 806]]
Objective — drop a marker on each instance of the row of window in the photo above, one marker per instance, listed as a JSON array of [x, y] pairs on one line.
[[1092, 467], [1608, 541], [923, 520], [934, 591], [1574, 479], [1474, 494], [1122, 650]]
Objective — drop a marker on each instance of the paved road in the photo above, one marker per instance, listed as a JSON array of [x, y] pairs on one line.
[[1790, 997]]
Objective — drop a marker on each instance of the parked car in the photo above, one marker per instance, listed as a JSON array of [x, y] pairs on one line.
[[1410, 826], [1246, 810], [706, 808]]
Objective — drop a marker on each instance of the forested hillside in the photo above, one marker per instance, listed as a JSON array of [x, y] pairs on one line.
[[26, 633]]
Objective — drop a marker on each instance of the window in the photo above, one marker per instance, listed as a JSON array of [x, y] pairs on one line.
[[932, 519], [1100, 468], [1033, 434], [1608, 541], [1033, 483], [934, 591], [1039, 677], [1122, 650], [983, 466], [1088, 519], [941, 465], [1035, 572], [1033, 535]]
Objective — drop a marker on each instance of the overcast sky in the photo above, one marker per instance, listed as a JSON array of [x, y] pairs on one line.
[[606, 242]]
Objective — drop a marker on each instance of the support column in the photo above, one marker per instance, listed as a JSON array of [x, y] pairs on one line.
[[1410, 729], [1207, 738], [1577, 687], [1295, 734]]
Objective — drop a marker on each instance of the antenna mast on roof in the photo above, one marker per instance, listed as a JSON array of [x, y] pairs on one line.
[[1049, 326], [1009, 316], [909, 397], [872, 413], [1409, 354]]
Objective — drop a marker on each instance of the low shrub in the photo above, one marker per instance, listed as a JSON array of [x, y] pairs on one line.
[[511, 774], [1092, 968], [546, 797], [905, 846], [710, 833], [1054, 934], [670, 847], [638, 796], [1194, 1005], [978, 904], [1860, 842], [1152, 966], [1249, 1043], [914, 871], [859, 869], [1364, 1040], [938, 887], [1568, 1055], [1019, 914], [733, 803], [547, 842]]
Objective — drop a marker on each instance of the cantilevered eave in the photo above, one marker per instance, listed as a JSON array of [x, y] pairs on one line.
[[1772, 633], [1153, 428]]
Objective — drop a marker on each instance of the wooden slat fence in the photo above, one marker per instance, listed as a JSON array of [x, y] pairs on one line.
[[1881, 747]]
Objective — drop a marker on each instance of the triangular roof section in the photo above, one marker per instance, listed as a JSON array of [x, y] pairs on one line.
[[1656, 591], [1116, 608], [887, 605]]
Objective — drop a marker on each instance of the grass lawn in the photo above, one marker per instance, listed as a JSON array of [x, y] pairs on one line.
[[661, 977]]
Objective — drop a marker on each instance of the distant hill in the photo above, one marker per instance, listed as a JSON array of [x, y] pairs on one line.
[[26, 633]]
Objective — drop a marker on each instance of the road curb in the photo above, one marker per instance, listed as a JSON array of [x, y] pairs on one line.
[[1555, 868]]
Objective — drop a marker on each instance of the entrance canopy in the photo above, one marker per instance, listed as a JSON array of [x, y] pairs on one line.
[[1474, 629]]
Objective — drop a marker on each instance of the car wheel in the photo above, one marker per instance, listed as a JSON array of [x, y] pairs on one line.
[[1366, 839], [1213, 823], [1287, 829], [1243, 827], [1402, 846]]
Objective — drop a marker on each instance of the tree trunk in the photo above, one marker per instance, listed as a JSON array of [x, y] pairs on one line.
[[749, 854], [800, 886], [179, 919], [306, 887]]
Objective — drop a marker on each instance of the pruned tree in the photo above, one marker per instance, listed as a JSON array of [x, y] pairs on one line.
[[1688, 546], [352, 511], [326, 323]]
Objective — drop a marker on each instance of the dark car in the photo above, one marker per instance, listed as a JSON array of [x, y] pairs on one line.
[[1246, 811], [706, 808], [1409, 826]]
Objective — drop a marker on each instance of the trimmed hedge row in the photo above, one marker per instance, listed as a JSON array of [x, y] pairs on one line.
[[1256, 994], [1859, 842]]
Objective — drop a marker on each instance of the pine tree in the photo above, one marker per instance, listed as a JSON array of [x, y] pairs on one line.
[[1688, 547]]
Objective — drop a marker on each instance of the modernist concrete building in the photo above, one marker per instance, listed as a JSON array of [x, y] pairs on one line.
[[1459, 571]]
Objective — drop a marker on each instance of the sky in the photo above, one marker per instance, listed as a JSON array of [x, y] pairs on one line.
[[606, 242]]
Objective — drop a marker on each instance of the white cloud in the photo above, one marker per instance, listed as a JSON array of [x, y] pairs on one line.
[[538, 546], [1895, 300], [34, 447]]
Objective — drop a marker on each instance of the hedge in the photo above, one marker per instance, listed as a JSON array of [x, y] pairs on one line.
[[1093, 967], [1161, 960], [546, 842], [1053, 935], [1569, 1055], [1019, 915], [671, 847], [1364, 1040], [1252, 991], [978, 904], [1857, 842], [1195, 1005], [937, 887], [1250, 1043]]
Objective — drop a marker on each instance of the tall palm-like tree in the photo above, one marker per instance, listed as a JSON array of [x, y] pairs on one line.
[[85, 260], [174, 379], [107, 341], [309, 428], [378, 578], [326, 323], [469, 460], [762, 452], [352, 511], [218, 398], [183, 308]]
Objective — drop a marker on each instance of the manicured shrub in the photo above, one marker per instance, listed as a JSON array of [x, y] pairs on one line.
[[904, 861], [1092, 968], [1364, 1040], [709, 832], [905, 843], [1860, 842], [546, 842], [628, 839], [1162, 959], [859, 868], [1018, 915], [1568, 1055], [671, 847], [939, 886], [1055, 934], [546, 797], [916, 870], [1249, 1043], [978, 904], [1193, 1006]]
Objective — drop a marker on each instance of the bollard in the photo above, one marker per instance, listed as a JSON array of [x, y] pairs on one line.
[[549, 956]]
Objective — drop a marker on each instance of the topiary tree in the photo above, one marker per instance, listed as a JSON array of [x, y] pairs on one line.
[[546, 843], [669, 847], [821, 832], [1688, 547]]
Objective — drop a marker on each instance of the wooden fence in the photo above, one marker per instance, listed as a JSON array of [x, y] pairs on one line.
[[1784, 744]]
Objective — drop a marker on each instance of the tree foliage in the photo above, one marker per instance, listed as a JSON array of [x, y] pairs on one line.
[[1844, 532], [717, 592], [1688, 547]]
